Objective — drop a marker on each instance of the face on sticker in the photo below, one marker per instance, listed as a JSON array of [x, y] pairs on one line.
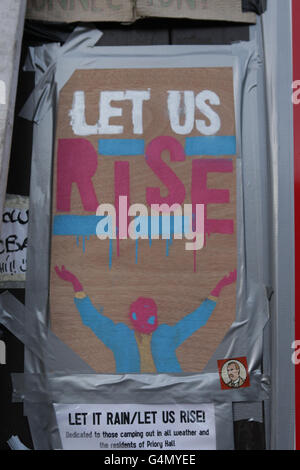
[[233, 371], [143, 315]]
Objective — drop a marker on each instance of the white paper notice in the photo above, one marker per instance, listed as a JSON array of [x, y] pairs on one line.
[[13, 239], [136, 427]]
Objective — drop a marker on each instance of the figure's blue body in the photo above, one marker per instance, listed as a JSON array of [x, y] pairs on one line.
[[164, 341]]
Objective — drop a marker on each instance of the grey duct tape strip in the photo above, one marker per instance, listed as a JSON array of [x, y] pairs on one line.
[[52, 352], [257, 6], [248, 411], [43, 426], [54, 386], [136, 389], [42, 60], [12, 284], [255, 411], [252, 302]]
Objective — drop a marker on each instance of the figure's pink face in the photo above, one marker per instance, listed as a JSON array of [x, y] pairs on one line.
[[143, 315]]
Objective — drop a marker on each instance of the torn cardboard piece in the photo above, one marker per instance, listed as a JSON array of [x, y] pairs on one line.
[[69, 11], [217, 10]]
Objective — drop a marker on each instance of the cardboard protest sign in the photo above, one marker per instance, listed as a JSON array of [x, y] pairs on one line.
[[133, 290], [69, 11], [216, 10], [129, 10]]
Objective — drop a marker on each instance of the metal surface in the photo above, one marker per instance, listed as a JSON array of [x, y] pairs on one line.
[[12, 14], [277, 23]]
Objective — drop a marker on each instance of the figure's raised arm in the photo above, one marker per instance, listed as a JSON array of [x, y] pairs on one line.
[[199, 317], [225, 281], [102, 326]]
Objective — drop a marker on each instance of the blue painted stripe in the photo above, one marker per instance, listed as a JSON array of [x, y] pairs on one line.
[[210, 145], [86, 225], [80, 225], [121, 147]]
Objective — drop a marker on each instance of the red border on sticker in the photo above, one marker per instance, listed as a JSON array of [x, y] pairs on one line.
[[296, 76], [233, 373]]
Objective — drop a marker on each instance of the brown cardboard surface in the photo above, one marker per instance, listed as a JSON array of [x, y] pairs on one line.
[[229, 10], [129, 10], [169, 280], [68, 11]]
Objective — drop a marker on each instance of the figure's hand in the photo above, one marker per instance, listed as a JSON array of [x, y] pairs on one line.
[[226, 281], [66, 275]]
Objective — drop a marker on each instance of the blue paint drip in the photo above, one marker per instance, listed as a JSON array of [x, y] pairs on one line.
[[136, 250], [83, 244], [167, 247], [77, 240], [110, 253]]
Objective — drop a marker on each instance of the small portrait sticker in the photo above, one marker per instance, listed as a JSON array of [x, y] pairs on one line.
[[233, 373]]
